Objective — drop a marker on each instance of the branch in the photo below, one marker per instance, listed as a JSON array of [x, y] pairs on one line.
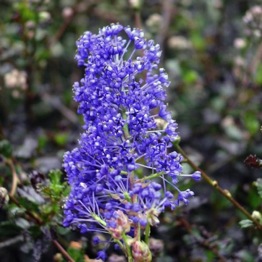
[[216, 186], [63, 251], [136, 6], [15, 179], [167, 9], [200, 241], [80, 6]]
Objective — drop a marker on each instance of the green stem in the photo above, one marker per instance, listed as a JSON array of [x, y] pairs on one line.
[[138, 236], [147, 233], [151, 177], [127, 248], [63, 251], [216, 186], [120, 244], [126, 131], [98, 219]]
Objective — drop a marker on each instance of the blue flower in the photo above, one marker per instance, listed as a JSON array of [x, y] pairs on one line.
[[122, 166]]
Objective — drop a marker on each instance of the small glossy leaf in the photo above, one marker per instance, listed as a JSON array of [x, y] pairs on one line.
[[28, 205], [246, 223], [55, 176]]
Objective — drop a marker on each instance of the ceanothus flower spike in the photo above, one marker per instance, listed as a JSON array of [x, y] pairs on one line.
[[122, 173]]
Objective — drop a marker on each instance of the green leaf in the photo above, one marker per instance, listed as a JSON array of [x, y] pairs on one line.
[[210, 255], [28, 205], [26, 11], [9, 229], [61, 138], [5, 148], [198, 40], [56, 190], [42, 142], [253, 198], [251, 122], [190, 77], [76, 252], [55, 176], [258, 76], [246, 223], [35, 231]]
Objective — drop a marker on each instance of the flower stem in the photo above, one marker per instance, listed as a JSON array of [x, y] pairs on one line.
[[127, 248], [217, 187], [147, 233], [151, 177]]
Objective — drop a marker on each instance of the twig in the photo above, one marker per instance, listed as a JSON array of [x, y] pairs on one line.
[[200, 241], [106, 15], [34, 217], [136, 8], [137, 18], [63, 251], [215, 185], [167, 8], [77, 8], [15, 179]]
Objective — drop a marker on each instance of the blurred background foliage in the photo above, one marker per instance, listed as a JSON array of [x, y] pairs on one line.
[[212, 50]]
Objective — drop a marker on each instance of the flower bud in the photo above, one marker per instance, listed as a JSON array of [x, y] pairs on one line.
[[256, 215], [141, 252], [4, 198], [58, 257], [135, 4], [161, 123], [122, 225], [196, 176], [152, 217], [67, 12], [154, 22]]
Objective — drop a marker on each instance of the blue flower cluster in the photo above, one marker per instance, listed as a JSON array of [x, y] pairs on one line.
[[122, 173]]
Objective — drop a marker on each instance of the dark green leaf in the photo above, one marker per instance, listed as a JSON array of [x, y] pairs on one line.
[[28, 205], [251, 122], [9, 229], [5, 148]]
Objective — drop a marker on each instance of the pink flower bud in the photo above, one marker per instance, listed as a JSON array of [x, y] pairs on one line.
[[141, 252]]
